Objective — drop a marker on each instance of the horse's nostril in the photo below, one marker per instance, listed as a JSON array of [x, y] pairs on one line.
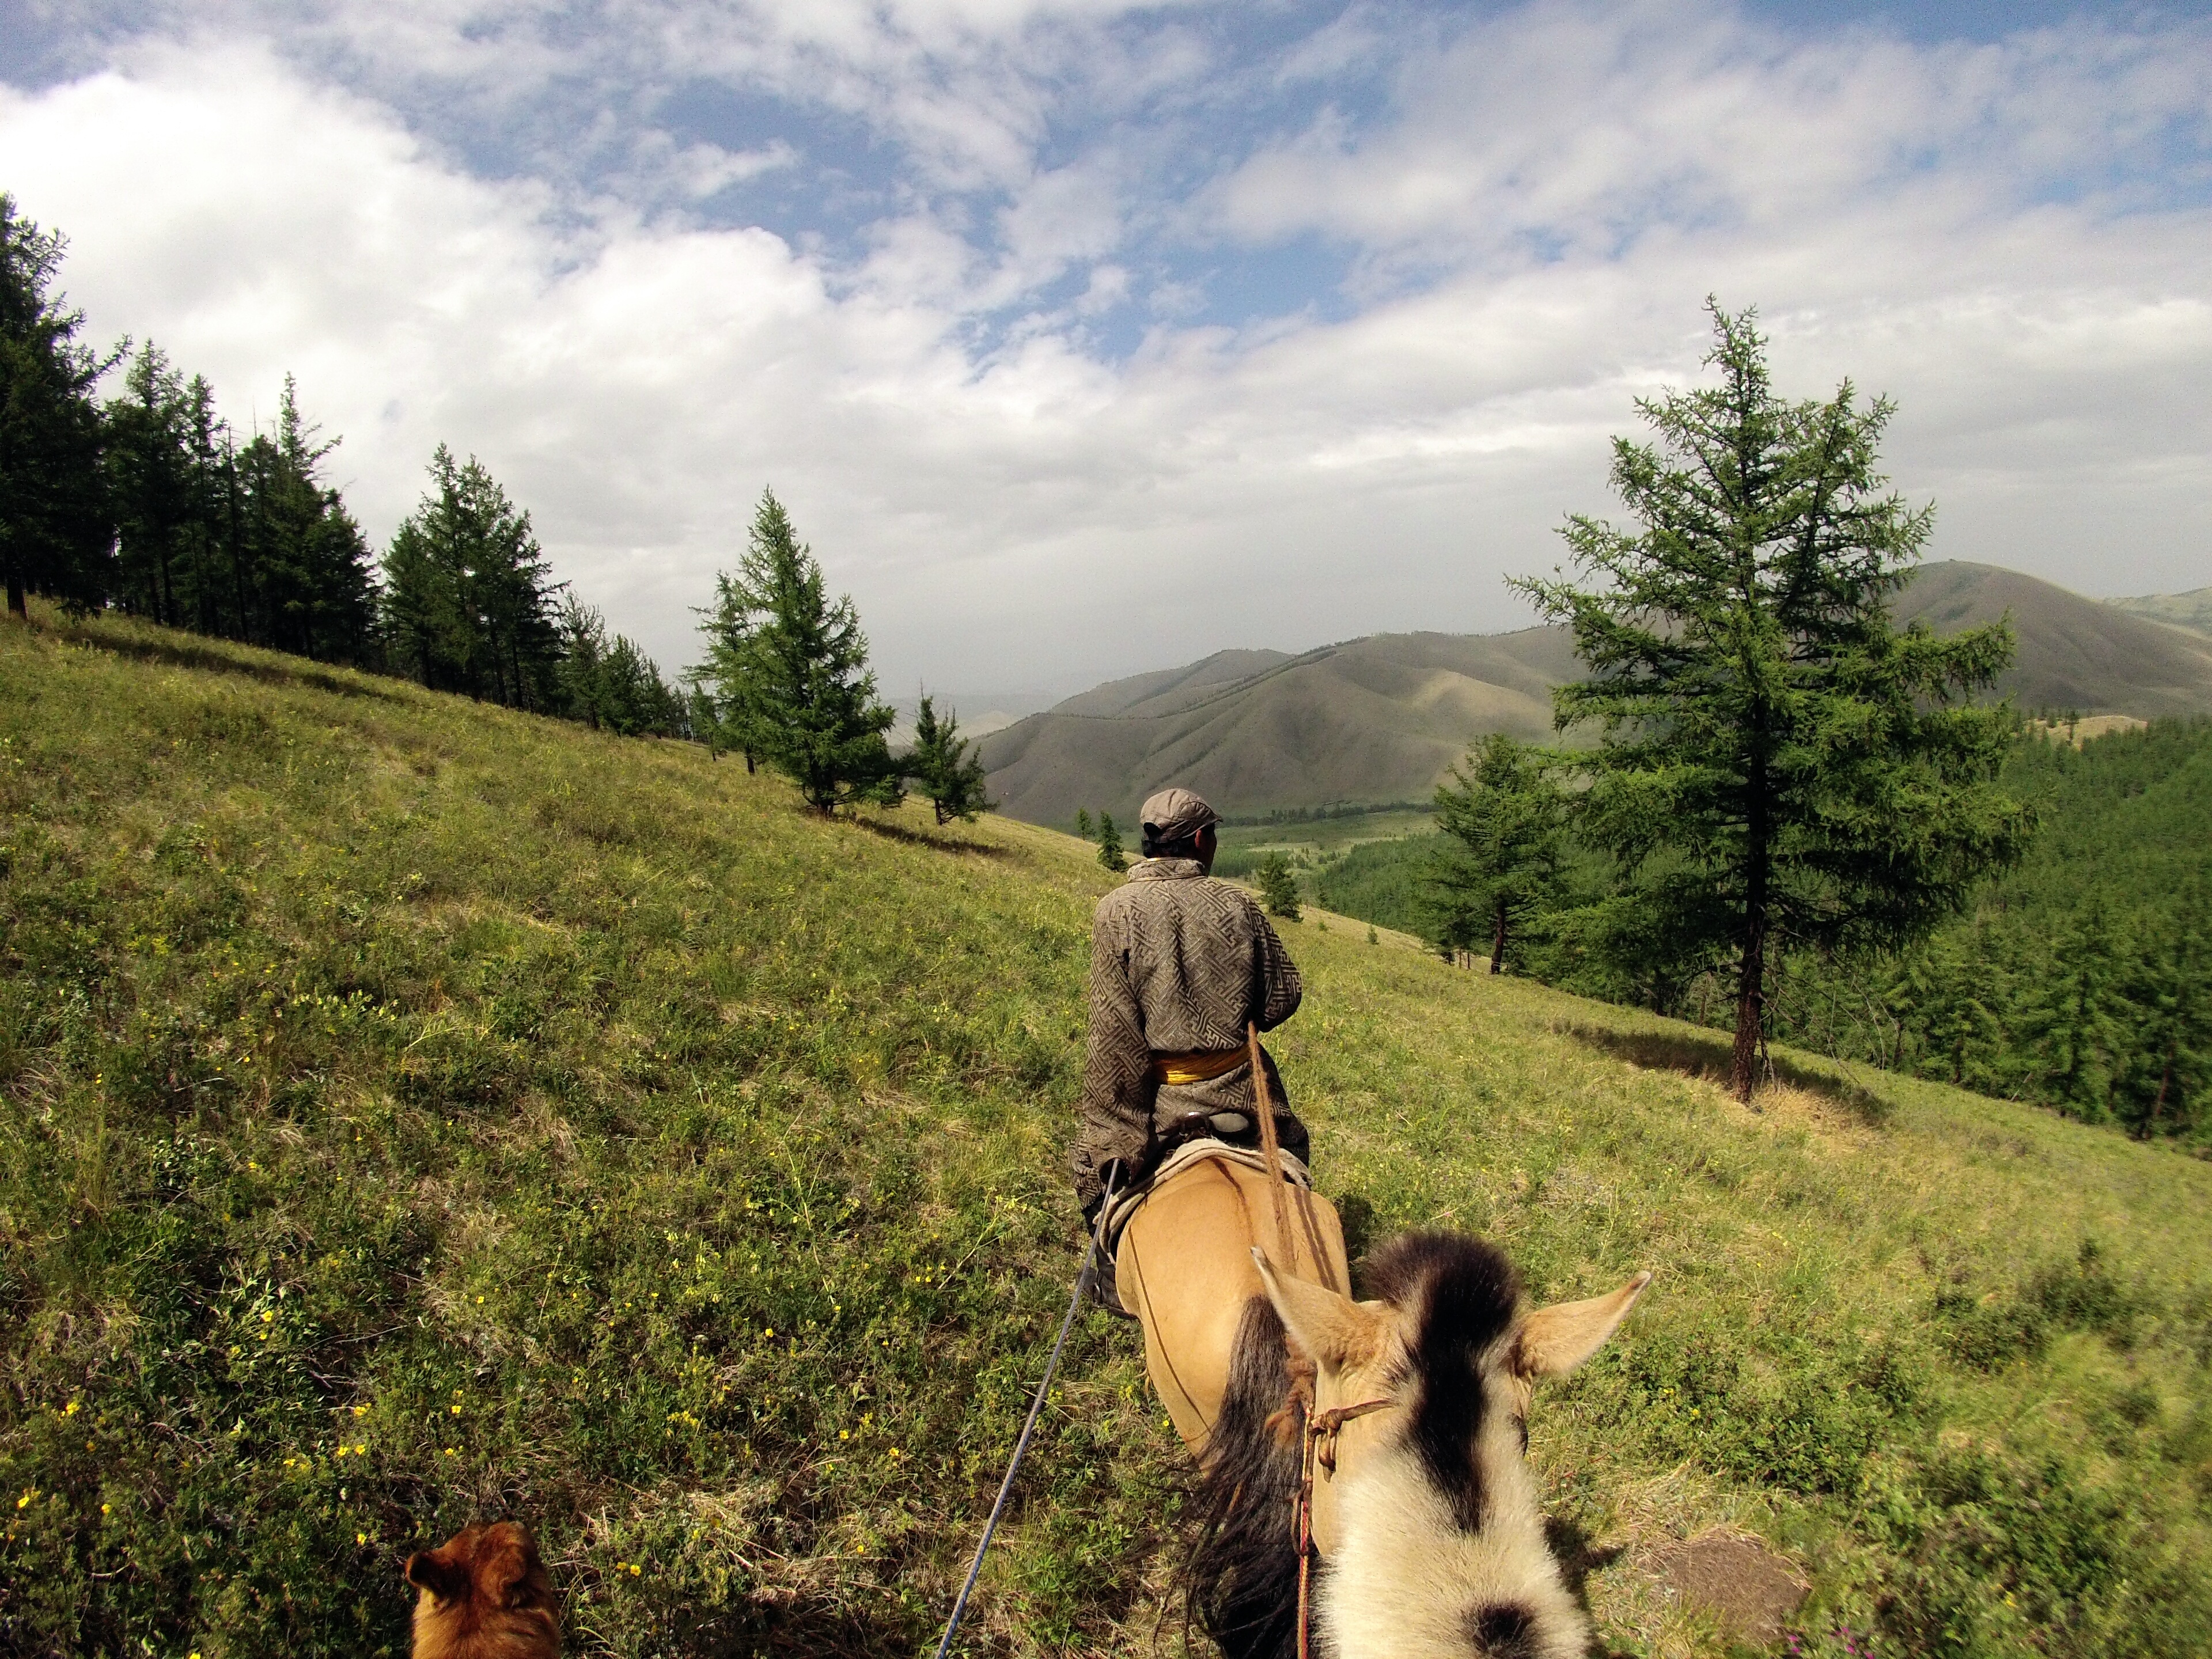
[[1500, 1630]]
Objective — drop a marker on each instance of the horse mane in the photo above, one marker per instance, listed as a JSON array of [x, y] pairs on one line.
[[1241, 1585]]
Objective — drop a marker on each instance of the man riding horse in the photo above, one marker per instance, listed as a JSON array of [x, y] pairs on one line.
[[1180, 966], [1362, 1472]]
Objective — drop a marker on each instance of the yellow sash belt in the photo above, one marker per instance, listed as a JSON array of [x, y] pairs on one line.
[[1175, 1070]]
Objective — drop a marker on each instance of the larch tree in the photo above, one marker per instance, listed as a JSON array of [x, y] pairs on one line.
[[150, 476], [583, 662], [790, 667], [1110, 854], [1278, 885], [468, 604], [942, 767], [733, 668], [317, 596], [1799, 770], [1507, 822], [2161, 1086], [56, 534]]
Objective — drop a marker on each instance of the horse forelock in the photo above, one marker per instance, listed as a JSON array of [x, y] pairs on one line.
[[1456, 1297]]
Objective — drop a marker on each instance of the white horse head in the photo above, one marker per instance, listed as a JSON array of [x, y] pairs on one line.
[[1429, 1522]]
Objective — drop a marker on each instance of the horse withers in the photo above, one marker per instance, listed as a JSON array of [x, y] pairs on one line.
[[1424, 1513]]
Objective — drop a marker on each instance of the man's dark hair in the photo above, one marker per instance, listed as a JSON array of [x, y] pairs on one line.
[[1183, 846]]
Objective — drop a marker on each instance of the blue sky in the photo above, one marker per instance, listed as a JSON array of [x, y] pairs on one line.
[[1083, 337]]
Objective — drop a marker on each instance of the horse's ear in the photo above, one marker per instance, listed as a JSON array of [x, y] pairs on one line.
[[1336, 1332], [1553, 1340]]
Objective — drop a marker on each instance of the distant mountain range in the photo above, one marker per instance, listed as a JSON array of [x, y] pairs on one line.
[[1384, 718]]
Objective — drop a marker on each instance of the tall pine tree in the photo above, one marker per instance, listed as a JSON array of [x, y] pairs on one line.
[[790, 669], [942, 767], [1507, 820], [1799, 770], [150, 483], [732, 668], [56, 534], [2162, 1081], [469, 605], [317, 596]]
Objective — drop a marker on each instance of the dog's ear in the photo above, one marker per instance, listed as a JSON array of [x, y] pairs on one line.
[[432, 1571], [504, 1562]]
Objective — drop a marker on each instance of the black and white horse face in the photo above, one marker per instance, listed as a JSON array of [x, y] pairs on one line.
[[1430, 1524]]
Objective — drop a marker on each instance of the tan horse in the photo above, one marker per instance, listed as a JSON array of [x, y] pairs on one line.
[[1430, 1535]]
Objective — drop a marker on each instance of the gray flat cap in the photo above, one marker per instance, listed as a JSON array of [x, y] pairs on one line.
[[1175, 813]]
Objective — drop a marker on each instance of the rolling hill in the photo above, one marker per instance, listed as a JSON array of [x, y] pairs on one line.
[[2192, 610], [1376, 719], [2074, 652], [416, 1111], [1381, 719]]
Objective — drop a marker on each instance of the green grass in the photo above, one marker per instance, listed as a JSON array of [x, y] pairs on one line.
[[416, 1110]]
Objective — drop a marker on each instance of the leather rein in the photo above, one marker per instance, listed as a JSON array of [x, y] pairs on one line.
[[1320, 1448]]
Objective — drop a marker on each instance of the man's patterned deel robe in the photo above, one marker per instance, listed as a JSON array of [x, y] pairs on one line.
[[1179, 963]]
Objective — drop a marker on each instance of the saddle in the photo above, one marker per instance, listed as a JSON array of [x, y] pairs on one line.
[[1193, 1149]]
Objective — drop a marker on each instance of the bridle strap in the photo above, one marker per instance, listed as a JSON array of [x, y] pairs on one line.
[[1320, 1446]]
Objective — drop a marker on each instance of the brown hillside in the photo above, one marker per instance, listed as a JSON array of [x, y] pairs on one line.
[[2074, 652], [2192, 611], [1164, 686], [1375, 718]]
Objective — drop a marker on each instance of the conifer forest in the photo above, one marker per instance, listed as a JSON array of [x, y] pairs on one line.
[[150, 503]]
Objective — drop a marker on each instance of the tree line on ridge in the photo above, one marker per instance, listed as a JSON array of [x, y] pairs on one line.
[[148, 503]]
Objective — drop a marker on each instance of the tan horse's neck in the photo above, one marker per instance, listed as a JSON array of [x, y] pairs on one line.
[[1185, 1269]]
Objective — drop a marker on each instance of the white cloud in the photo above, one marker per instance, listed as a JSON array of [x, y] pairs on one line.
[[1985, 232]]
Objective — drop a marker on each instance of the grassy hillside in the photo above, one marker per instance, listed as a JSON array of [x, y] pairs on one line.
[[415, 1110], [1383, 719]]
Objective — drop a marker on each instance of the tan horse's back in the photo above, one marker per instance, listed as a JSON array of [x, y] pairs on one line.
[[1185, 1269]]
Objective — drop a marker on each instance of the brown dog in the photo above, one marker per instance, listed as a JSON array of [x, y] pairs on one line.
[[485, 1596]]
